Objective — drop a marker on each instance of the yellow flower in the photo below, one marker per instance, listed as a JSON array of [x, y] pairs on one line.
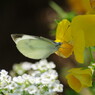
[[82, 6], [83, 33], [63, 35], [79, 78], [89, 6], [76, 5], [79, 34]]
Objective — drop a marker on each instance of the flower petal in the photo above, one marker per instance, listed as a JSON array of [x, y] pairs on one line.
[[85, 23], [65, 50], [79, 78], [80, 71], [83, 33], [85, 79], [74, 83], [79, 44], [61, 30]]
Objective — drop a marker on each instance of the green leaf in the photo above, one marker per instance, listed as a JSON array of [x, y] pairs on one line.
[[93, 48], [71, 92]]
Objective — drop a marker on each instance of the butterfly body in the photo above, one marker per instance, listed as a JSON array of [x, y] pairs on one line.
[[35, 47]]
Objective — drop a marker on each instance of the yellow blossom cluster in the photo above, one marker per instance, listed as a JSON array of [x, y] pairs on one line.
[[75, 36]]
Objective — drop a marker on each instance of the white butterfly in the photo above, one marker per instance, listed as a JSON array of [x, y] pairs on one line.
[[35, 47]]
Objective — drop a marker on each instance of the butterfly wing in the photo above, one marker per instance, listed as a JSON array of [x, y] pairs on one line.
[[34, 47]]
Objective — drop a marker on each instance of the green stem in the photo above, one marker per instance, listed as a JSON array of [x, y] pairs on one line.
[[91, 55], [58, 10]]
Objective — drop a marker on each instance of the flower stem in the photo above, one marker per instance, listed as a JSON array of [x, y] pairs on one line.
[[91, 55], [58, 9]]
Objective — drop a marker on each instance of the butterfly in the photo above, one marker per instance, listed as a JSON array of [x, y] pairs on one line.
[[35, 47]]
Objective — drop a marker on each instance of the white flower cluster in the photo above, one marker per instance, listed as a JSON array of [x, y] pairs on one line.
[[42, 81], [41, 66]]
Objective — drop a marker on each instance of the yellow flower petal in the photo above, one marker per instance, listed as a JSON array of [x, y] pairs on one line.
[[85, 23], [82, 6], [79, 78], [85, 79], [74, 83], [80, 71], [67, 36], [65, 50], [79, 45], [61, 30], [83, 33], [89, 6], [76, 5]]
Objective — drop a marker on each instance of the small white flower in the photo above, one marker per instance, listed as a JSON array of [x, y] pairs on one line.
[[10, 87], [57, 87], [18, 79], [26, 65], [31, 80], [36, 74], [25, 76], [3, 72], [49, 76], [4, 79], [37, 80], [18, 69], [34, 66], [43, 65], [51, 65], [31, 89]]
